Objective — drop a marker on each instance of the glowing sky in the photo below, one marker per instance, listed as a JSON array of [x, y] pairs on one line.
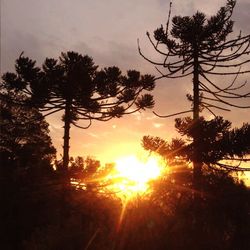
[[107, 30]]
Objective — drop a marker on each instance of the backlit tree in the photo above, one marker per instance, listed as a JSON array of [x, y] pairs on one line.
[[200, 46], [219, 144], [74, 85], [24, 138]]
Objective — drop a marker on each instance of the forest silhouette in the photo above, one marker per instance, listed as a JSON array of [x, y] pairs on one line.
[[197, 202]]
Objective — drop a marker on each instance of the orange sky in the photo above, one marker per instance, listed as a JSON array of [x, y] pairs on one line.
[[107, 31]]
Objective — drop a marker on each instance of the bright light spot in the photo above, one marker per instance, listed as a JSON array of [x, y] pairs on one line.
[[131, 168], [158, 125], [131, 176]]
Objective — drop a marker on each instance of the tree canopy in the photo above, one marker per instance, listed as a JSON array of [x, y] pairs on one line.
[[24, 138], [200, 46], [219, 145], [73, 84]]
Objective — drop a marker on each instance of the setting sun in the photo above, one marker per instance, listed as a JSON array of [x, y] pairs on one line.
[[131, 176]]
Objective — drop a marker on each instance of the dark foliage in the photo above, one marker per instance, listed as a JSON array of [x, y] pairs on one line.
[[36, 210], [74, 85], [200, 46], [167, 219], [24, 139], [26, 156], [217, 141]]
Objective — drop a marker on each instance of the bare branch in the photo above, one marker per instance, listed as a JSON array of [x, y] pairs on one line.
[[86, 127], [179, 113]]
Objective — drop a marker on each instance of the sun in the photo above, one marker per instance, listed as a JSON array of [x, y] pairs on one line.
[[131, 176]]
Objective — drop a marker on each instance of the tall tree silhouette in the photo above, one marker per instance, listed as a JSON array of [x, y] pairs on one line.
[[73, 84], [26, 158], [198, 46], [24, 138]]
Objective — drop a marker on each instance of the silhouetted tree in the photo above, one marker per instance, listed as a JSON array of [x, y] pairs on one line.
[[24, 139], [26, 173], [219, 145], [198, 216], [88, 174], [73, 85], [199, 46], [85, 171]]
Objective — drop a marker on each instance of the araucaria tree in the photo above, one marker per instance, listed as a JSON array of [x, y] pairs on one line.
[[199, 46], [74, 85]]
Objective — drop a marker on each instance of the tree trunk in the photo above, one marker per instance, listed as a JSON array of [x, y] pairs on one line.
[[196, 104], [65, 177], [66, 136]]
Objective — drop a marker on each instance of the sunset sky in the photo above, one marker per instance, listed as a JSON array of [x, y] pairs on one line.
[[107, 30]]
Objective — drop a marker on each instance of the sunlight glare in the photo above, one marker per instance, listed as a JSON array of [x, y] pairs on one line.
[[131, 175]]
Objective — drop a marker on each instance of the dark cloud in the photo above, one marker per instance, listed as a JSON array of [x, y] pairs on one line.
[[13, 44], [242, 17], [107, 53]]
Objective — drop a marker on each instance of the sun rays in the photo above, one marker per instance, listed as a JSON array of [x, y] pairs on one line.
[[131, 176]]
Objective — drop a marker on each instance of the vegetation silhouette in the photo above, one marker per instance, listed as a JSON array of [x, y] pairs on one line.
[[199, 46], [216, 214], [24, 139], [170, 216], [218, 144], [26, 173], [73, 85], [167, 218]]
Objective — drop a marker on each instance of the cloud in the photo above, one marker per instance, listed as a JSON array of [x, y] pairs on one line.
[[158, 125], [93, 135], [242, 16], [12, 44], [151, 117]]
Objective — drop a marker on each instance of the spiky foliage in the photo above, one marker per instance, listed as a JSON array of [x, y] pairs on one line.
[[219, 146], [200, 46], [73, 84]]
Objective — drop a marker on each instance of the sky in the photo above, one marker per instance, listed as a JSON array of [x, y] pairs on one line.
[[107, 30]]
